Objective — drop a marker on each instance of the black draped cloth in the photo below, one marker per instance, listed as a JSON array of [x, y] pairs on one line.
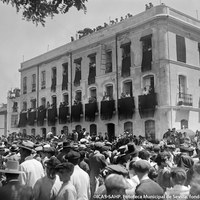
[[65, 82], [90, 110], [63, 114], [31, 117], [41, 116], [76, 112], [52, 116], [92, 75], [77, 78], [147, 104], [107, 108], [22, 119], [126, 107]]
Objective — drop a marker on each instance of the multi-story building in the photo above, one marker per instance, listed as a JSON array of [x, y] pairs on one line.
[[141, 74], [3, 120], [13, 111]]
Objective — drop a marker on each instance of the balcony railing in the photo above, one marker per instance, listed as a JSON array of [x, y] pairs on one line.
[[147, 104], [184, 99]]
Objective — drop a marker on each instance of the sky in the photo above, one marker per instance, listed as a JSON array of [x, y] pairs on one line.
[[21, 40]]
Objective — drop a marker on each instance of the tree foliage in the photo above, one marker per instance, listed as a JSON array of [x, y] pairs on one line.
[[38, 10]]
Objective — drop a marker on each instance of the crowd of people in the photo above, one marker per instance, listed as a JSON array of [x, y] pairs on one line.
[[86, 168]]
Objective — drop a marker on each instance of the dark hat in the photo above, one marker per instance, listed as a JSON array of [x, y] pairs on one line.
[[14, 148], [12, 167], [27, 144], [49, 149], [66, 144], [72, 155], [52, 162], [66, 165], [178, 173], [132, 149], [117, 169], [141, 166], [186, 149]]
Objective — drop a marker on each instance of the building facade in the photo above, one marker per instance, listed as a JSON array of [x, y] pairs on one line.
[[3, 120], [13, 111], [140, 75]]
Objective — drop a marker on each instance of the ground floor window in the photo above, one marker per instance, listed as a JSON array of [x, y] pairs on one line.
[[150, 129]]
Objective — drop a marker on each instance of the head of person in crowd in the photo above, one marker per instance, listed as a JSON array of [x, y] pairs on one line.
[[116, 185], [49, 151], [196, 168], [64, 171], [131, 150], [162, 159], [185, 162], [11, 171], [141, 168], [153, 174], [51, 167], [73, 157], [178, 176], [26, 149], [144, 154]]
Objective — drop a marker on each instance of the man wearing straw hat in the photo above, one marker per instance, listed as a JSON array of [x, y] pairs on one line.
[[13, 189]]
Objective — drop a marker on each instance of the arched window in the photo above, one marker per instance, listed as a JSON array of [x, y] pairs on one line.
[[128, 126], [66, 98], [65, 130], [184, 124], [53, 130], [24, 133], [78, 128], [182, 84], [127, 88], [109, 91], [33, 131], [150, 129], [78, 95], [93, 129], [44, 132], [148, 83]]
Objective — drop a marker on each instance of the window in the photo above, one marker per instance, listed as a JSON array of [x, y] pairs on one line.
[[150, 129], [33, 103], [146, 52], [54, 100], [128, 126], [78, 96], [108, 62], [126, 59], [14, 121], [66, 99], [43, 102], [109, 91], [127, 89], [54, 79], [180, 48], [148, 84], [33, 131], [24, 134], [24, 106], [24, 85], [92, 69], [182, 84], [33, 82], [184, 124], [77, 77], [53, 130], [15, 106], [65, 77], [43, 79], [199, 52], [93, 129]]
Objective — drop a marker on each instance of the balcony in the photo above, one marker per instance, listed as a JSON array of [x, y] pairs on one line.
[[52, 115], [147, 105], [107, 109], [184, 99], [91, 109], [76, 112], [41, 115], [23, 119], [31, 117], [63, 114], [126, 107]]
